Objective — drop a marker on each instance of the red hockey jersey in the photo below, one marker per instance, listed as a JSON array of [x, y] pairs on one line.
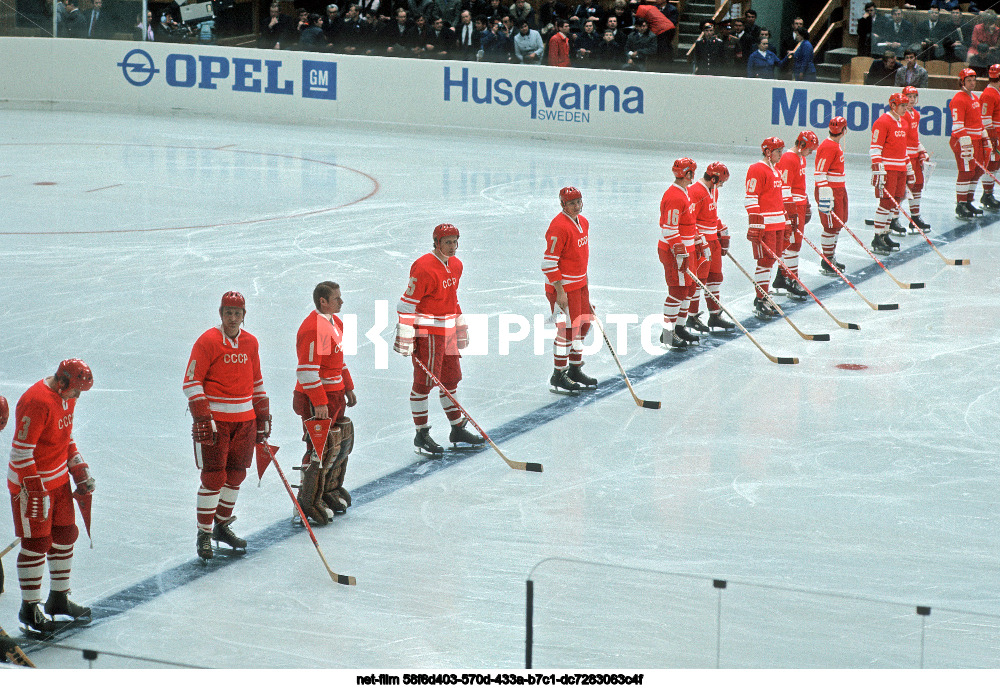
[[567, 252], [430, 303], [227, 372], [43, 438], [319, 345]]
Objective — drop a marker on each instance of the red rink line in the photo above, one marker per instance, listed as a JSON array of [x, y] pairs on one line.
[[375, 189]]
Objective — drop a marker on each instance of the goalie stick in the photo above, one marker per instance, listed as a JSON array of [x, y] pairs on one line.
[[842, 324], [521, 466], [948, 261], [902, 285], [338, 578], [876, 307], [775, 359], [10, 547], [647, 404], [13, 652], [822, 337]]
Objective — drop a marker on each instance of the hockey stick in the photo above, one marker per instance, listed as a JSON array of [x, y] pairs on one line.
[[775, 359], [648, 404], [902, 285], [986, 171], [521, 466], [948, 261], [822, 337], [338, 578], [842, 324], [16, 656], [876, 307], [10, 547]]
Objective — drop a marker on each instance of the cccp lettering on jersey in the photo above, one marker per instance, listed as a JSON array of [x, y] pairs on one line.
[[235, 358], [66, 422], [582, 241], [449, 282]]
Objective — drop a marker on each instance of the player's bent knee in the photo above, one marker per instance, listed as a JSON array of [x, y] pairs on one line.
[[65, 535], [235, 477], [213, 480], [38, 545]]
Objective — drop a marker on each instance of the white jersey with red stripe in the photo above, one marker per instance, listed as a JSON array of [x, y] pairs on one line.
[[226, 372]]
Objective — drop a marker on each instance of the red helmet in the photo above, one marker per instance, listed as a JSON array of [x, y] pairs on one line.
[[910, 91], [771, 143], [994, 71], [965, 74], [807, 139], [719, 171], [445, 230], [837, 125], [898, 99], [4, 412], [73, 374], [233, 299], [682, 166], [569, 194]]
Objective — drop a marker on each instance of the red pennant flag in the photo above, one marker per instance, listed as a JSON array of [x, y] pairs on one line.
[[318, 430], [83, 501], [263, 459]]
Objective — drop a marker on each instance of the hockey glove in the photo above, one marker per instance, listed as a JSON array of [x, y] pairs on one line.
[[680, 255], [34, 498], [724, 243], [911, 177], [462, 332], [756, 228], [203, 429], [404, 339], [825, 202], [809, 213], [80, 472], [966, 151], [878, 179], [262, 409]]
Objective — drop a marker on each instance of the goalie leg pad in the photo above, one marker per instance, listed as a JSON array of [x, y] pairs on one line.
[[334, 492], [309, 491]]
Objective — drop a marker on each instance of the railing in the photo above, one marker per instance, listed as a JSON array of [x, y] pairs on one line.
[[720, 12], [824, 17]]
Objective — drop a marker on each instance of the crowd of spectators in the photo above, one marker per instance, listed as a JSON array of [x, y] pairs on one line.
[[740, 47]]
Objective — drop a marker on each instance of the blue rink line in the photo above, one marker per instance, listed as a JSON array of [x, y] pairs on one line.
[[176, 577]]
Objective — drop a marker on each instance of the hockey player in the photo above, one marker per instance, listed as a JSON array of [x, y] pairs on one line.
[[831, 192], [890, 171], [792, 168], [231, 413], [766, 215], [704, 194], [676, 250], [969, 142], [990, 100], [323, 390], [43, 457], [917, 155], [432, 329], [564, 265]]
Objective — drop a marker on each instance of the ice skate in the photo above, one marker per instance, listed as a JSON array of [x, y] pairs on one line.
[[763, 310], [425, 445], [203, 545], [561, 384], [780, 284], [917, 221], [890, 242], [795, 291], [682, 332], [461, 434], [223, 533], [896, 228], [694, 323], [716, 321], [34, 623], [61, 609], [989, 201], [577, 375], [879, 246], [670, 340]]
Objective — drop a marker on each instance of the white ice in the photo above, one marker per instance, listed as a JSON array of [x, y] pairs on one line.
[[879, 484]]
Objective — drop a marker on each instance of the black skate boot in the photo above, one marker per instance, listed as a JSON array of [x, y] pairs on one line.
[[879, 246], [461, 434], [825, 268], [669, 339], [763, 310], [975, 211], [795, 290], [204, 545], [694, 323], [34, 622], [682, 332], [716, 321], [780, 284], [896, 228], [59, 604], [223, 533], [561, 384], [989, 201], [577, 375], [890, 242], [918, 222], [963, 211], [425, 445]]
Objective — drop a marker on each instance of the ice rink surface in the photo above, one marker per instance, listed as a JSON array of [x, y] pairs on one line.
[[867, 470]]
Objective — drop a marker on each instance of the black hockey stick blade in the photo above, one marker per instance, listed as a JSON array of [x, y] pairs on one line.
[[822, 337], [869, 221], [533, 466], [346, 580], [787, 359], [914, 285], [887, 307], [853, 326], [649, 404], [959, 261]]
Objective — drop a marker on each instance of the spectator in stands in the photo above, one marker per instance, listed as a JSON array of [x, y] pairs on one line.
[[640, 46], [620, 34], [801, 58], [883, 72], [730, 62], [331, 24], [662, 29], [144, 30], [467, 42], [586, 43], [983, 45], [450, 11], [72, 25], [96, 22], [766, 33], [931, 33], [419, 8], [587, 9], [865, 30], [910, 73], [956, 41], [949, 5], [623, 16], [550, 10], [896, 35], [522, 12], [349, 33], [750, 36], [371, 34], [609, 54], [312, 37], [438, 39], [275, 30], [559, 45], [494, 12], [401, 37], [366, 6], [761, 62], [528, 46], [791, 42], [499, 46], [708, 51]]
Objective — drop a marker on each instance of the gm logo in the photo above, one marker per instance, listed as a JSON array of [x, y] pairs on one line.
[[142, 65], [319, 79]]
